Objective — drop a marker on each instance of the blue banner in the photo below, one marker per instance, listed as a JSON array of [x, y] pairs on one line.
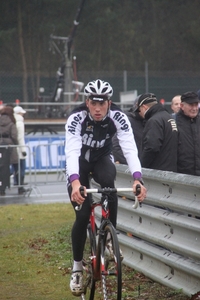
[[45, 152]]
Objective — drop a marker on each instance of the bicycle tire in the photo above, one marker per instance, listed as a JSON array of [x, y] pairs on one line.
[[89, 254], [111, 272]]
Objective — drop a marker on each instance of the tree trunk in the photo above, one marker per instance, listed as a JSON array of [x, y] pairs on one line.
[[23, 55]]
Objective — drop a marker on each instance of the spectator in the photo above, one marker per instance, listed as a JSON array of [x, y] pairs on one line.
[[175, 105], [188, 123], [8, 136], [19, 117], [137, 124], [160, 135]]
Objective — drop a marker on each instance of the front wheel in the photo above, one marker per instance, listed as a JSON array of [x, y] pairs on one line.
[[88, 265], [111, 275]]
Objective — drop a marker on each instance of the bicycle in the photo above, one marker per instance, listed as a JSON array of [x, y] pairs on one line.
[[102, 255]]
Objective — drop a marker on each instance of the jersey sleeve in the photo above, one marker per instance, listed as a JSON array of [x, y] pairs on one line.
[[73, 143], [126, 140]]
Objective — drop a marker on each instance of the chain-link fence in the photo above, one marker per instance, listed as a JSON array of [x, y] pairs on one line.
[[164, 84]]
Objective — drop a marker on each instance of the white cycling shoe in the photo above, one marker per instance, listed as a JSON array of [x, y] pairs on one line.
[[76, 283]]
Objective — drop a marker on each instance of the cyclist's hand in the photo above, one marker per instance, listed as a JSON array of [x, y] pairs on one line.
[[76, 196], [143, 191]]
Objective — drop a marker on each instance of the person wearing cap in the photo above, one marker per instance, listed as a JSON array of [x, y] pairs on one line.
[[188, 123], [88, 149], [160, 135], [19, 117]]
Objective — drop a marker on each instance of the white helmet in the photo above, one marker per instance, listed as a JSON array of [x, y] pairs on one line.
[[98, 90]]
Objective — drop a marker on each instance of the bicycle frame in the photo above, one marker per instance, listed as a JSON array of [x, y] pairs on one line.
[[104, 259], [105, 220]]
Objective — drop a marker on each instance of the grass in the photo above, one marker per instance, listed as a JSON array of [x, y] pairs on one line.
[[35, 257]]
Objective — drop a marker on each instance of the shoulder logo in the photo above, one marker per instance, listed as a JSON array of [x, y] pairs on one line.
[[120, 117], [75, 121]]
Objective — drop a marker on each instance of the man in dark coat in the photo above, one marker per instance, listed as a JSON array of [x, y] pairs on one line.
[[188, 123], [160, 135]]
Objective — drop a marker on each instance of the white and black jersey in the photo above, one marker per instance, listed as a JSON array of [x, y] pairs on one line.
[[91, 140]]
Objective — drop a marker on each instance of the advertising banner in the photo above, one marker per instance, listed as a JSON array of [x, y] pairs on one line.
[[45, 152]]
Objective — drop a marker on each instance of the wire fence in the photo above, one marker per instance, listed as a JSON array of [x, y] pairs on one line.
[[42, 158], [164, 84]]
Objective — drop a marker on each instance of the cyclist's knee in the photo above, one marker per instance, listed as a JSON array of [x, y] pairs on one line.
[[82, 220]]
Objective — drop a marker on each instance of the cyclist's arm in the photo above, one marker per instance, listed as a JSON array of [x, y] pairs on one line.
[[129, 148], [128, 145], [73, 145]]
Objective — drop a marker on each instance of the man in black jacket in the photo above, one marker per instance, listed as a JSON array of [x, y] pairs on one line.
[[160, 135], [188, 123]]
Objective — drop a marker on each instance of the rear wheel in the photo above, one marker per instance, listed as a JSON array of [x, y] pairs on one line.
[[88, 260], [111, 275]]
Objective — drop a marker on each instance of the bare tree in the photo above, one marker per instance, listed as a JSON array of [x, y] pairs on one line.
[[22, 50]]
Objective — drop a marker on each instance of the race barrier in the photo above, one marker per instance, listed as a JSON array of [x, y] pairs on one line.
[[30, 185], [161, 239], [45, 155]]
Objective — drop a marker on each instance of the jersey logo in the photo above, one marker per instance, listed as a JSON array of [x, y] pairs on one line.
[[90, 128], [74, 123], [119, 117], [104, 125], [173, 124], [88, 141]]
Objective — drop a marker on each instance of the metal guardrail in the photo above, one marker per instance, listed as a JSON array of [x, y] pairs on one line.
[[161, 239]]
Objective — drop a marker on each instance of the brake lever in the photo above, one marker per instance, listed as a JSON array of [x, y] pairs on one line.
[[138, 191]]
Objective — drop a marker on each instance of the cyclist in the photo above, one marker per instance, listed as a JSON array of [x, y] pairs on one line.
[[88, 149]]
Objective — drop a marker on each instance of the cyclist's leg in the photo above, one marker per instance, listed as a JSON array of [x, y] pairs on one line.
[[79, 234], [79, 229], [104, 173]]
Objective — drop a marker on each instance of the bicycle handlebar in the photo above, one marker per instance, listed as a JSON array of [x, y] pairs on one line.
[[108, 190], [112, 190]]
